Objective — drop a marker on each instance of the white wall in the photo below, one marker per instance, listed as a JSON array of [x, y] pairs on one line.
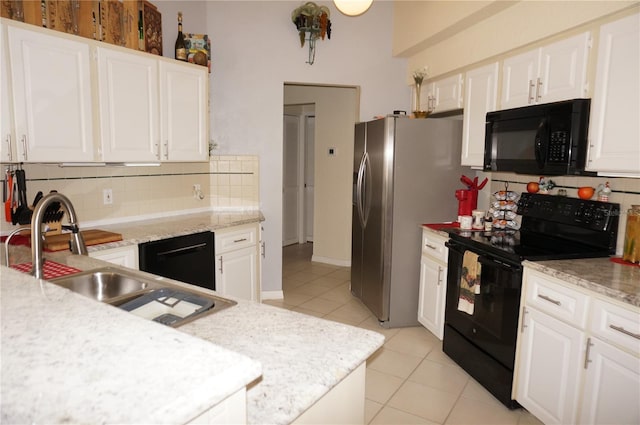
[[466, 33], [255, 49]]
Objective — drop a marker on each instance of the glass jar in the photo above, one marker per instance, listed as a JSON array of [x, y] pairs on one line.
[[631, 250]]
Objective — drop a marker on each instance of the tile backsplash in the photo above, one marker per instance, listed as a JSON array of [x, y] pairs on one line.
[[624, 191], [226, 182]]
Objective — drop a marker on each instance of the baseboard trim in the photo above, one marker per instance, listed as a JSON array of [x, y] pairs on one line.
[[332, 261], [272, 295]]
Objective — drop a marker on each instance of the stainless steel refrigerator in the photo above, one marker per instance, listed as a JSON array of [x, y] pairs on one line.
[[405, 174]]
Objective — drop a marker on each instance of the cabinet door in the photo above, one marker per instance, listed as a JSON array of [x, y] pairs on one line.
[[236, 273], [128, 98], [615, 107], [447, 94], [563, 70], [183, 106], [612, 386], [549, 368], [126, 256], [51, 87], [7, 136], [480, 92], [431, 297], [519, 74]]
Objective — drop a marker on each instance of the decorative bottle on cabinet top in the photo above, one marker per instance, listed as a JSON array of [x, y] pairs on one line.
[[181, 48], [631, 251]]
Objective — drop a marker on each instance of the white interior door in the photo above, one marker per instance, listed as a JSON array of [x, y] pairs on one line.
[[290, 180], [309, 157]]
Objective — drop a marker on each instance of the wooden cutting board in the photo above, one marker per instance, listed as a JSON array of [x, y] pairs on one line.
[[91, 237]]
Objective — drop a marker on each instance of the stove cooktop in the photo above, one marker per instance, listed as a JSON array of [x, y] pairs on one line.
[[552, 228], [517, 246]]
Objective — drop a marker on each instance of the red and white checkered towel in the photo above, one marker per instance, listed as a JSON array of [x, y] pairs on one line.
[[50, 270]]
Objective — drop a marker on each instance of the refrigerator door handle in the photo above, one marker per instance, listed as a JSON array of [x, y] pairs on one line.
[[359, 190], [367, 187]]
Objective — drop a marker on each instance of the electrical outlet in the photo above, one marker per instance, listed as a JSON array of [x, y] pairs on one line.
[[107, 197], [197, 192]]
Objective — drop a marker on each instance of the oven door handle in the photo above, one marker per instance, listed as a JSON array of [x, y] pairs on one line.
[[484, 260]]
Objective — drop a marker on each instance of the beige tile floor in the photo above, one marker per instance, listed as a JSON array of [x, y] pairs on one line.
[[409, 380]]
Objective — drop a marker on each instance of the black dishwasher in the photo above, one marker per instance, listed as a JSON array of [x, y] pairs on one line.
[[187, 258]]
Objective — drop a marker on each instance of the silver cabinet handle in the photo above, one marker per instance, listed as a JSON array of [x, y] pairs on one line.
[[624, 331], [524, 315], [24, 147], [431, 246], [538, 94], [221, 265], [166, 149], [531, 86], [439, 275], [551, 300], [239, 240], [263, 253], [586, 353], [158, 150], [9, 154]]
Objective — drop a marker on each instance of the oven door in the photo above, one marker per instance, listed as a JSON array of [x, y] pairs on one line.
[[493, 325]]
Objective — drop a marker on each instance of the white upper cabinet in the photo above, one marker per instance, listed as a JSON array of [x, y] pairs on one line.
[[480, 96], [71, 99], [445, 94], [52, 103], [128, 105], [547, 74], [7, 136], [183, 111], [614, 133]]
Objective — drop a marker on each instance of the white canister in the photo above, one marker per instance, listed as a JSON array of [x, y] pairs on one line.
[[478, 219], [466, 222]]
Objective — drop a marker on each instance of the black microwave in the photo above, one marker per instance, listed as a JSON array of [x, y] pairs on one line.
[[548, 139]]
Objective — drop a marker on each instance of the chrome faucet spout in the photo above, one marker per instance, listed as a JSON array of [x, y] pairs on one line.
[[8, 240], [77, 241]]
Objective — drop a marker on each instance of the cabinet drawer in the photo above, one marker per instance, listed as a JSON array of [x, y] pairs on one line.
[[616, 324], [433, 246], [546, 294], [235, 238]]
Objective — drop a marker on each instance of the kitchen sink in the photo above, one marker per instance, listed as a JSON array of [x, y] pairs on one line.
[[108, 285], [142, 296]]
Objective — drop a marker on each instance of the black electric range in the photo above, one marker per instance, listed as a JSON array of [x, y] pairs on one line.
[[483, 342]]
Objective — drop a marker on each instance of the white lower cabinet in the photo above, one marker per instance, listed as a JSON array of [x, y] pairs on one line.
[[343, 404], [236, 257], [578, 354], [433, 282], [611, 386], [232, 410], [126, 256], [550, 368]]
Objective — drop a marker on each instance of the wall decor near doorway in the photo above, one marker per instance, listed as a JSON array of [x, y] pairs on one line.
[[312, 22]]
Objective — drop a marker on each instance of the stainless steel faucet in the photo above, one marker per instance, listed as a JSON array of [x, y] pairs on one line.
[[77, 241]]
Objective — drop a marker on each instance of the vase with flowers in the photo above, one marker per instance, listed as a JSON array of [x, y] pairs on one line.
[[418, 77]]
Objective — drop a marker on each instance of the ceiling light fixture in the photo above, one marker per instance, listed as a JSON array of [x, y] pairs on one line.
[[353, 7]]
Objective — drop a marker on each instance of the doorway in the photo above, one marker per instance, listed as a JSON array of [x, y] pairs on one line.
[[298, 174]]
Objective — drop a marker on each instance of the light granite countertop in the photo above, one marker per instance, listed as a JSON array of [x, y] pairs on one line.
[[301, 357], [162, 228], [601, 275], [68, 359]]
